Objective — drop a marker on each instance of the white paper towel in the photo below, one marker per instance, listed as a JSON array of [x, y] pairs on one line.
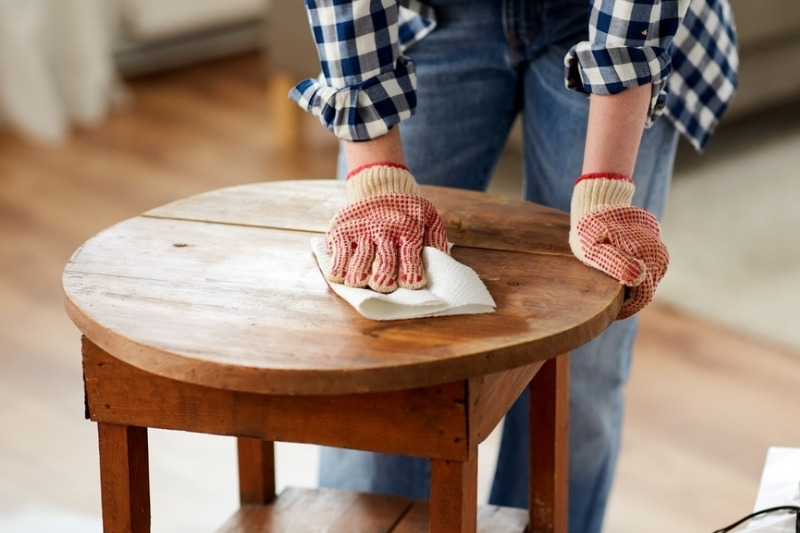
[[453, 289]]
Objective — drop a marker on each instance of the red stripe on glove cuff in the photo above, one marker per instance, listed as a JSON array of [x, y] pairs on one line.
[[370, 165], [600, 175]]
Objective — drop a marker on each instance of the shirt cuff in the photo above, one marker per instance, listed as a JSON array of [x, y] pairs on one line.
[[605, 70], [363, 111]]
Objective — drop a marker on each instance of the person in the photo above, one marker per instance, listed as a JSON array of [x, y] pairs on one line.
[[428, 91]]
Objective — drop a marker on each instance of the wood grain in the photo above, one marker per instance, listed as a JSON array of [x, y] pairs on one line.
[[216, 293], [125, 478], [428, 422], [320, 511], [549, 454], [256, 462], [471, 218], [453, 498], [376, 514], [491, 396]]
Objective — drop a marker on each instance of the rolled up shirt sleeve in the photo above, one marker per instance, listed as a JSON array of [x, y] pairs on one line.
[[366, 85], [629, 46]]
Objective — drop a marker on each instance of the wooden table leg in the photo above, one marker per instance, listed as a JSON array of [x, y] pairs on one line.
[[256, 471], [124, 478], [454, 496], [549, 426]]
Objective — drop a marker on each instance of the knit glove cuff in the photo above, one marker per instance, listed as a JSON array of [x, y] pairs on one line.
[[380, 178], [594, 192]]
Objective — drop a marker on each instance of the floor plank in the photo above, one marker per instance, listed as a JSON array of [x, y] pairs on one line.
[[704, 405]]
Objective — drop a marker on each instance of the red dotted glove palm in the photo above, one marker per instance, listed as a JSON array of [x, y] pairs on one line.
[[377, 240], [609, 234]]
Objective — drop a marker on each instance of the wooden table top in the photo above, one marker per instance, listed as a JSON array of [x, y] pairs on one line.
[[222, 290]]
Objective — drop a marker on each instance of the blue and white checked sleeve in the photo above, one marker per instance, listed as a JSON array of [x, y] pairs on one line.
[[686, 48], [629, 46], [366, 85], [705, 62]]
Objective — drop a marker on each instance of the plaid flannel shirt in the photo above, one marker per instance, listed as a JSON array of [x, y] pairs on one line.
[[685, 48]]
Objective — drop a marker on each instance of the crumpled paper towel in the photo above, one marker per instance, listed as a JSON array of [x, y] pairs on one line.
[[452, 289]]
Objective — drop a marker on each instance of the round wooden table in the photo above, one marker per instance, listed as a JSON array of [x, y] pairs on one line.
[[210, 315]]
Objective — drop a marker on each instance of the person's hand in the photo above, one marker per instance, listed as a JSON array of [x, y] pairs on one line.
[[377, 239], [607, 233]]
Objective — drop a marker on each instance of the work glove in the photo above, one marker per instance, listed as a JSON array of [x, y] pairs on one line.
[[607, 233], [377, 239]]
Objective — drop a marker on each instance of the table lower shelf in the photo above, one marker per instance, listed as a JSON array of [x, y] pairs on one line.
[[335, 511]]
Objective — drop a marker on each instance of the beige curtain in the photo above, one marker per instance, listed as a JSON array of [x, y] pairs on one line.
[[56, 66]]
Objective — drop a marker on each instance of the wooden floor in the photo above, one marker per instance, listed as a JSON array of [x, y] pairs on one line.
[[703, 404]]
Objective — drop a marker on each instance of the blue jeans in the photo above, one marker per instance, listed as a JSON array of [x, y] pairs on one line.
[[487, 62]]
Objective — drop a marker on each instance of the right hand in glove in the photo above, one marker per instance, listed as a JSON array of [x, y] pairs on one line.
[[377, 239]]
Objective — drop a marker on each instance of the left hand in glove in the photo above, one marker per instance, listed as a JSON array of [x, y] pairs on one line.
[[623, 241]]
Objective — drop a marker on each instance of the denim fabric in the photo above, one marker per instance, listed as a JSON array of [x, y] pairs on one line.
[[485, 64]]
